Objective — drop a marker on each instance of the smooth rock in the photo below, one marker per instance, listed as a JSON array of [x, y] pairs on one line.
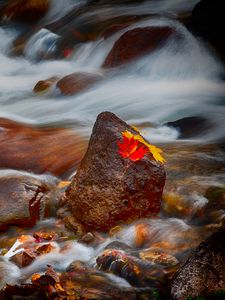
[[137, 42], [39, 149], [108, 189], [25, 11], [203, 274], [43, 86], [191, 126], [77, 82], [26, 198], [208, 21]]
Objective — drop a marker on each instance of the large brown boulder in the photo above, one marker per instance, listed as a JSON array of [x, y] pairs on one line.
[[25, 10], [136, 43], [77, 82], [26, 198], [109, 189], [203, 274], [39, 149]]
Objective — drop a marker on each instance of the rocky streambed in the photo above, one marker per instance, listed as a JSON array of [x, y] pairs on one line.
[[112, 158], [112, 232]]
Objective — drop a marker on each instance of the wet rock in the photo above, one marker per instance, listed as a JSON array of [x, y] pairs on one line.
[[89, 283], [43, 86], [41, 150], [26, 198], [109, 189], [77, 82], [203, 273], [208, 21], [191, 126], [45, 236], [136, 43], [158, 257], [137, 272], [24, 259], [25, 10]]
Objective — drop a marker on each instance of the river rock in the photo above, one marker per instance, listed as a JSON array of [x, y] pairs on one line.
[[25, 10], [77, 82], [208, 21], [108, 189], [39, 149], [43, 86], [203, 274], [26, 198], [185, 126], [137, 42]]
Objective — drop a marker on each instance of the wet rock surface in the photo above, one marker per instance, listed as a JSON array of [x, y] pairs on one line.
[[191, 126], [41, 150], [137, 42], [208, 21], [44, 86], [203, 274], [107, 189], [26, 198], [24, 10], [77, 82]]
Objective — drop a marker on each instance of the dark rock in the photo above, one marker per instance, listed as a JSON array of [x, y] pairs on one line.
[[107, 189], [25, 11], [136, 43], [191, 126], [203, 274], [41, 149], [208, 21], [77, 82], [26, 198]]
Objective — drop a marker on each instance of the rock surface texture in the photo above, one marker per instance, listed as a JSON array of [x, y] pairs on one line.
[[109, 189], [25, 198], [77, 82], [25, 10], [137, 42], [203, 274]]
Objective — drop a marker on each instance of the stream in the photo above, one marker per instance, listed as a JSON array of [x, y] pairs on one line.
[[184, 78]]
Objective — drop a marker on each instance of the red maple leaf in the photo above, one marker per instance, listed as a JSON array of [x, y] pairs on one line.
[[129, 148]]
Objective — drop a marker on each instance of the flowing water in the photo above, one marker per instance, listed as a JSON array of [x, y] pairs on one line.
[[184, 78]]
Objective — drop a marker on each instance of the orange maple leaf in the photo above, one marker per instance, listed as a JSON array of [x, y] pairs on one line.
[[156, 152], [130, 148]]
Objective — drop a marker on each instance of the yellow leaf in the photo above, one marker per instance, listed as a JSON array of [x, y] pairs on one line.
[[156, 152]]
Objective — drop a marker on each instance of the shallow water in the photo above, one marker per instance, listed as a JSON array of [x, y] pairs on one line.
[[184, 78]]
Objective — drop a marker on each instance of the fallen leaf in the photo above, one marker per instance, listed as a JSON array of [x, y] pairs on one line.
[[156, 152], [129, 148]]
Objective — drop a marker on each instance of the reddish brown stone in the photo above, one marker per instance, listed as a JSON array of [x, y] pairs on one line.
[[24, 259], [25, 10], [77, 82], [108, 189], [135, 43], [40, 150], [44, 249], [26, 198], [43, 86]]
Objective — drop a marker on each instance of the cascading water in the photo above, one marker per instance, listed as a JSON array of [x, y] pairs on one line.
[[181, 79]]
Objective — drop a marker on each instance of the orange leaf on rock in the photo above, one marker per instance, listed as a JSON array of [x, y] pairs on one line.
[[156, 152]]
